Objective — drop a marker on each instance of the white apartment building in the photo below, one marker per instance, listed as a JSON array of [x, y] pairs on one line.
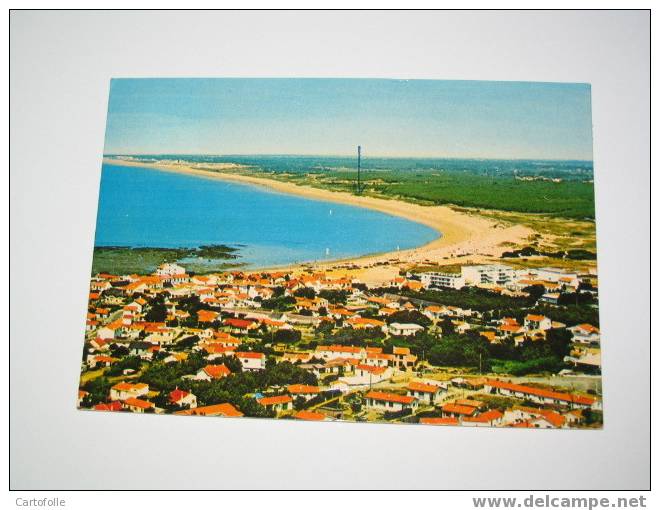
[[493, 274], [445, 280]]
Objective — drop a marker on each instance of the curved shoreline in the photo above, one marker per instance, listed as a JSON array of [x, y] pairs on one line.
[[459, 232]]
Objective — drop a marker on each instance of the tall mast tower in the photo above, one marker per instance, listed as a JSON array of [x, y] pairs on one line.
[[359, 186]]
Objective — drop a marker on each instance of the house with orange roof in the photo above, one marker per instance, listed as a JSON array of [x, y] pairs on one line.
[[427, 393], [363, 376], [182, 398], [100, 360], [393, 402], [115, 405], [305, 391], [296, 357], [212, 372], [540, 322], [519, 414], [330, 352], [137, 405], [379, 359], [279, 403], [125, 390], [540, 395], [491, 418], [460, 411], [339, 365], [403, 359], [252, 360], [207, 316], [218, 351], [241, 326], [585, 334], [310, 416], [386, 311], [176, 357], [365, 323], [431, 420], [99, 344], [110, 331], [81, 396], [369, 374], [225, 410], [491, 336], [382, 302], [435, 312], [413, 285], [99, 286]]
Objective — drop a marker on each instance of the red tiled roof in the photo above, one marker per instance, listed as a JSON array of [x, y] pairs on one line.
[[136, 402], [566, 397], [248, 354], [425, 388], [438, 421], [216, 371], [458, 409], [280, 399], [110, 406], [371, 369], [390, 397], [340, 348], [178, 394], [239, 323], [309, 416], [486, 417], [303, 388], [226, 409]]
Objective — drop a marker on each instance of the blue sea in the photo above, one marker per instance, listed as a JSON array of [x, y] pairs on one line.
[[142, 207]]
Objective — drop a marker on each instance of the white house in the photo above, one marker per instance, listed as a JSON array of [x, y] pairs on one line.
[[585, 334], [252, 360], [540, 396], [384, 401], [398, 329], [124, 390], [211, 372], [490, 418], [367, 374], [427, 393], [330, 352], [521, 414], [183, 398], [537, 322]]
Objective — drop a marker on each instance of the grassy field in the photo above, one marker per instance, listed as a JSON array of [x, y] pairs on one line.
[[569, 198], [559, 188], [126, 260]]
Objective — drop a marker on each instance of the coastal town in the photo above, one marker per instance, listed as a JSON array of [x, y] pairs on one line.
[[481, 345]]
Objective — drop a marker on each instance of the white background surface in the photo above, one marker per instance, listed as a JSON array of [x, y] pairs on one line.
[[61, 64]]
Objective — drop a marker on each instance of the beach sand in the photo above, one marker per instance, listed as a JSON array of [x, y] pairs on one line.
[[464, 237]]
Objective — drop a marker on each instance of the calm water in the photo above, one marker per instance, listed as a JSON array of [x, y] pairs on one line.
[[145, 207]]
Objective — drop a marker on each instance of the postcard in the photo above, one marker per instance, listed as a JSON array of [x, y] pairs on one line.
[[360, 250]]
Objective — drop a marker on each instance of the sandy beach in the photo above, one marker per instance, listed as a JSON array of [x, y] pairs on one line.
[[464, 237]]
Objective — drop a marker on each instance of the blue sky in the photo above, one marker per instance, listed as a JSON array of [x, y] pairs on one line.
[[407, 118]]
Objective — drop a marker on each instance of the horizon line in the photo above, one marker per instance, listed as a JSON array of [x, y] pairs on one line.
[[352, 155]]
